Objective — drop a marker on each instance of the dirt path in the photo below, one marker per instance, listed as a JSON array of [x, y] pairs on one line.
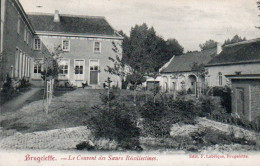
[[52, 139], [18, 102]]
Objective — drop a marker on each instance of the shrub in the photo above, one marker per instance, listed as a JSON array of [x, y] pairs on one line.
[[85, 145], [206, 106], [225, 94], [159, 116], [114, 121], [23, 83]]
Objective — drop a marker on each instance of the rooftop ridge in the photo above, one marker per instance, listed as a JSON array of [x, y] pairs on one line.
[[243, 42], [66, 15]]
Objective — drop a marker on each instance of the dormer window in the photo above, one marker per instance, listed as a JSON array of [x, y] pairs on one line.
[[65, 45], [37, 44], [97, 47]]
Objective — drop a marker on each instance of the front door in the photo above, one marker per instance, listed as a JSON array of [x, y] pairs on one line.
[[94, 70], [79, 66], [240, 100]]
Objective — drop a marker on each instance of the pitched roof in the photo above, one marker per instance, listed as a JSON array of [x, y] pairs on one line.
[[242, 52], [80, 25], [184, 63]]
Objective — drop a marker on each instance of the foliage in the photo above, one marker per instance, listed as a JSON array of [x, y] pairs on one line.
[[146, 51], [84, 145], [199, 69], [208, 45], [23, 83], [160, 115], [114, 121], [8, 91], [225, 117], [206, 106], [235, 39], [225, 94]]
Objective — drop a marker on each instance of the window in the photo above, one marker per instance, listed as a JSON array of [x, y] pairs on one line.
[[78, 69], [27, 39], [37, 68], [220, 78], [18, 25], [63, 69], [97, 47], [37, 44], [65, 45], [25, 34]]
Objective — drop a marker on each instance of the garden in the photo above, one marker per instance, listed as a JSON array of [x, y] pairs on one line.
[[111, 120]]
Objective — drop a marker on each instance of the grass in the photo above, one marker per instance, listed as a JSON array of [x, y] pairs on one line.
[[66, 110]]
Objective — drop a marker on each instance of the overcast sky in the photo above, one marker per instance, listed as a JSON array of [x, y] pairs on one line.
[[191, 22]]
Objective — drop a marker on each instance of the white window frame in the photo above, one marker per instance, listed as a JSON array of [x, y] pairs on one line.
[[67, 49], [84, 70], [34, 45], [25, 34], [27, 38], [94, 46], [61, 75], [220, 79], [37, 75], [18, 25]]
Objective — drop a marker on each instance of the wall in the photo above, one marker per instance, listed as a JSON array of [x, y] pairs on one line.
[[11, 39], [213, 71], [255, 99], [252, 97], [82, 48]]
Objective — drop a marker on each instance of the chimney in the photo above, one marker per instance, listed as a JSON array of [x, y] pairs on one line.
[[219, 48], [56, 16]]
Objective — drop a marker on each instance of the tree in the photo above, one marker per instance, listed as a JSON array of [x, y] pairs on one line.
[[235, 39], [124, 71], [146, 51], [208, 45], [50, 65]]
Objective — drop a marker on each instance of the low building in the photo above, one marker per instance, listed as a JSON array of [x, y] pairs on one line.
[[246, 95], [179, 74], [242, 57]]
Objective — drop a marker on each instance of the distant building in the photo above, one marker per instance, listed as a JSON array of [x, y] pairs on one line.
[[241, 58], [178, 73], [246, 95]]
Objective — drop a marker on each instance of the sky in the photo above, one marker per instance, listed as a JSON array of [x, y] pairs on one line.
[[191, 22]]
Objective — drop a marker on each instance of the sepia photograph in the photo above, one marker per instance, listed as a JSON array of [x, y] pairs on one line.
[[130, 82]]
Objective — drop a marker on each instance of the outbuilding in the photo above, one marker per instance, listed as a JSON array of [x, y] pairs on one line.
[[246, 95]]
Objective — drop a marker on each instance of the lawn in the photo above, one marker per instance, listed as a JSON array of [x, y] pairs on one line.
[[66, 110]]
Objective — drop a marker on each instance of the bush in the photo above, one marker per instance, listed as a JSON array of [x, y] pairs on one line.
[[23, 83], [159, 116], [8, 91], [206, 106], [114, 121], [85, 145], [225, 94]]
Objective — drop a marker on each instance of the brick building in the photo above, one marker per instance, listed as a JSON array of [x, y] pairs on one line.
[[17, 36], [86, 44], [246, 95]]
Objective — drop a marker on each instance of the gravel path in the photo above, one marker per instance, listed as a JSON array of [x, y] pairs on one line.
[[60, 139]]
